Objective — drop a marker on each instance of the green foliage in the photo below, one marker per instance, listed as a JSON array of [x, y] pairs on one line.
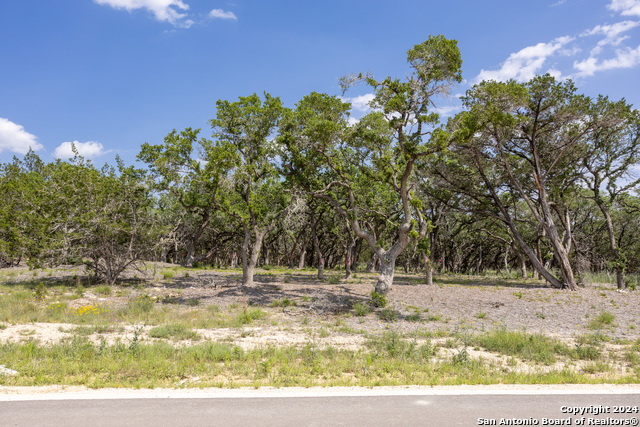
[[284, 302], [388, 315], [378, 299], [361, 309], [535, 347], [604, 319], [140, 304], [249, 315]]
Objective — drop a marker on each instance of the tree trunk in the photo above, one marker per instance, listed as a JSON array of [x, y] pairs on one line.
[[385, 278], [348, 258], [316, 247], [614, 248], [251, 253], [505, 260], [303, 255], [372, 263], [429, 270], [191, 250]]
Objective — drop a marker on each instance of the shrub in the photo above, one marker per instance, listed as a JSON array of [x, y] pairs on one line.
[[389, 315], [378, 299], [361, 309]]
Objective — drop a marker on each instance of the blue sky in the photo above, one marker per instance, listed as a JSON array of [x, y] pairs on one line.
[[110, 75]]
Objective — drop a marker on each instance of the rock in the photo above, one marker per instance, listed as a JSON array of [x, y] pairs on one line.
[[7, 371]]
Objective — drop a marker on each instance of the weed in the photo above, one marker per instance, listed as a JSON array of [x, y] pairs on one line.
[[535, 347], [361, 309], [285, 302], [415, 317], [481, 315], [249, 315], [192, 302], [40, 292], [604, 319], [103, 290], [388, 315], [173, 330], [461, 358], [139, 305], [518, 294]]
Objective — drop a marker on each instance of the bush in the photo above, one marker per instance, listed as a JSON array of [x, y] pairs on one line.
[[378, 299], [361, 309], [389, 315]]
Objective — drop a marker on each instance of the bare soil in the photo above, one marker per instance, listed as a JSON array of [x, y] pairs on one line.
[[466, 304]]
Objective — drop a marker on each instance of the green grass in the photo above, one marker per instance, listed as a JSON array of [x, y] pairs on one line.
[[284, 302], [174, 331], [103, 290], [388, 360], [361, 309], [532, 347], [603, 320], [388, 315]]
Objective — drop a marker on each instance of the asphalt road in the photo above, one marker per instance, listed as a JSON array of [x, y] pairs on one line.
[[324, 408]]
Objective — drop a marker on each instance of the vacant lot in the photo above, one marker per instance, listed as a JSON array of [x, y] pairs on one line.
[[169, 326]]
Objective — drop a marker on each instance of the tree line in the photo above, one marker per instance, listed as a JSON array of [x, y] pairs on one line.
[[529, 175]]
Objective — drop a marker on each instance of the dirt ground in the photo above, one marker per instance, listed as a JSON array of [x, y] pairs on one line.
[[454, 304]]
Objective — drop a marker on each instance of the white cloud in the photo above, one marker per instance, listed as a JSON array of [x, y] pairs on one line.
[[611, 34], [526, 63], [625, 7], [360, 103], [163, 10], [625, 58], [222, 14], [15, 139], [352, 121], [89, 149]]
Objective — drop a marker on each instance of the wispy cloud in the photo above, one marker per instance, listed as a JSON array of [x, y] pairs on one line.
[[612, 34], [624, 58], [89, 149], [607, 45], [526, 63], [15, 139], [222, 14], [625, 7], [163, 10]]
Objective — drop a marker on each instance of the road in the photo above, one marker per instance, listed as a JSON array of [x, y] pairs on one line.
[[414, 406]]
